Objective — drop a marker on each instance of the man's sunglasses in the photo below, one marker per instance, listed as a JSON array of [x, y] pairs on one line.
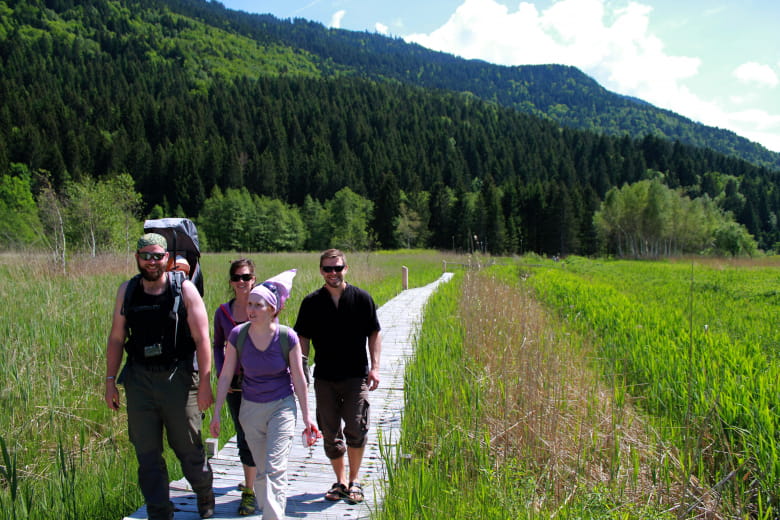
[[331, 268], [243, 277], [150, 256]]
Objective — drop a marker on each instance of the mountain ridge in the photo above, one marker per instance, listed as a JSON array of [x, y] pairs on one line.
[[542, 90]]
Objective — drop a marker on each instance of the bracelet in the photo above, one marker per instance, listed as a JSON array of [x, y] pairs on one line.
[[110, 378]]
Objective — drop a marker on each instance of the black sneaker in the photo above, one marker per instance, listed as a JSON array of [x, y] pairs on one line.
[[162, 511], [206, 504]]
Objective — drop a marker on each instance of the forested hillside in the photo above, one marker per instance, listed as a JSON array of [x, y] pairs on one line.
[[561, 93], [206, 111]]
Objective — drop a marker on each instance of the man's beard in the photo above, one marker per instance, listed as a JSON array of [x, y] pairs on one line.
[[334, 282], [151, 275]]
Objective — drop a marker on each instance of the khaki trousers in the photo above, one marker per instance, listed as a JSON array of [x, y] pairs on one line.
[[269, 429]]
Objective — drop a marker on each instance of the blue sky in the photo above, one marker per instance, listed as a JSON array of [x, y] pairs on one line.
[[714, 61]]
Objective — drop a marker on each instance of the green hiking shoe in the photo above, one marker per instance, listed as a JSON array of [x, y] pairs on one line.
[[248, 503]]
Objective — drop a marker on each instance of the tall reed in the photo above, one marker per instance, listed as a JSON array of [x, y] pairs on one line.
[[702, 355], [505, 417]]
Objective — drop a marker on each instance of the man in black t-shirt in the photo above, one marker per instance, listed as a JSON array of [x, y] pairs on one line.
[[338, 318]]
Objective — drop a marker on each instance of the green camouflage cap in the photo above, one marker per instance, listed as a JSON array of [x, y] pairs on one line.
[[152, 239]]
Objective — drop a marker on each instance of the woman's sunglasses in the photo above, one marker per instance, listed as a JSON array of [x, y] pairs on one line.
[[149, 256], [243, 277], [331, 268]]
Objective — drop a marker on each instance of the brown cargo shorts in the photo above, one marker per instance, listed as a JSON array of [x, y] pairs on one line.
[[342, 414]]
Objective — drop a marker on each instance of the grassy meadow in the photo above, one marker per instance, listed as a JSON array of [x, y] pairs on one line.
[[696, 343], [540, 389], [64, 454], [594, 389]]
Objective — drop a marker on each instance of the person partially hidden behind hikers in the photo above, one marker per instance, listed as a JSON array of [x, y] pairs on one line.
[[181, 264], [338, 318], [163, 326], [227, 316]]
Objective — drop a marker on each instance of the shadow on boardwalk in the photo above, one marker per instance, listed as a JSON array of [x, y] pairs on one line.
[[309, 471]]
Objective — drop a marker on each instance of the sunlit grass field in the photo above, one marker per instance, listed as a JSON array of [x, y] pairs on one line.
[[64, 454], [594, 389], [697, 343], [540, 389]]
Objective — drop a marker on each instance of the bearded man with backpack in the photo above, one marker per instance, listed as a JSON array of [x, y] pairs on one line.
[[160, 320]]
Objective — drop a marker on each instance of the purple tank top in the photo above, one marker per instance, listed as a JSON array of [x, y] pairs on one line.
[[266, 374]]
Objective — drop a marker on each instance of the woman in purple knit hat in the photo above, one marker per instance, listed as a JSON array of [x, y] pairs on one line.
[[270, 356]]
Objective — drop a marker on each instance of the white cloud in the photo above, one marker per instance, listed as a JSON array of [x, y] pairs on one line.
[[382, 28], [335, 20], [758, 126], [622, 55], [770, 141], [613, 45], [752, 72]]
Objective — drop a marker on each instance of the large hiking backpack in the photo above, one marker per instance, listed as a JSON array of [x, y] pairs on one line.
[[182, 237]]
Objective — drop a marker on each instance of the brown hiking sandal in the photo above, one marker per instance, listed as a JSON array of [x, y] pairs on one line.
[[336, 492], [354, 493]]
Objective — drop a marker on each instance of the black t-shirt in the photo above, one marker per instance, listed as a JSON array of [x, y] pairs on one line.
[[338, 334]]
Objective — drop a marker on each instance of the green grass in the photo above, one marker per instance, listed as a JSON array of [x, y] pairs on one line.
[[498, 420], [611, 401], [698, 344]]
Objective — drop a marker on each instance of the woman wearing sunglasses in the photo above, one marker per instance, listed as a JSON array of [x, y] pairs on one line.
[[227, 316]]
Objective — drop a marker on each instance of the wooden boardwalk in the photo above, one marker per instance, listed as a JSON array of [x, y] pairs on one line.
[[309, 471]]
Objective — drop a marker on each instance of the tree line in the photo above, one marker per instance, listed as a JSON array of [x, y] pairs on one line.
[[648, 220], [417, 168], [645, 219]]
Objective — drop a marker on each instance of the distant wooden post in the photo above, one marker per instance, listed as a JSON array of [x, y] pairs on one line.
[[443, 266], [404, 277]]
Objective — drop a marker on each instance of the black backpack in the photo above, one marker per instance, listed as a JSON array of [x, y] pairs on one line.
[[175, 281]]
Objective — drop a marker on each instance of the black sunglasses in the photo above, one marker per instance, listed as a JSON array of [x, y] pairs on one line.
[[149, 256], [245, 277], [331, 268]]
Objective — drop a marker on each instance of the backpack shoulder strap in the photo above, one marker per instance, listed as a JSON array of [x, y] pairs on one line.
[[284, 339], [129, 290], [241, 339], [225, 308], [175, 281]]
